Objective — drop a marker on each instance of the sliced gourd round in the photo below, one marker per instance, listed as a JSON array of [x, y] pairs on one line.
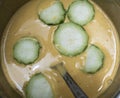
[[55, 14], [70, 39], [81, 12], [38, 87], [26, 50], [94, 59]]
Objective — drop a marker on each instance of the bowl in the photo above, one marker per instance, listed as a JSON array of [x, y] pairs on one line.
[[9, 7]]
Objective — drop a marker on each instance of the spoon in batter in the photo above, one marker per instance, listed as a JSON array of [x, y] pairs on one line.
[[76, 90]]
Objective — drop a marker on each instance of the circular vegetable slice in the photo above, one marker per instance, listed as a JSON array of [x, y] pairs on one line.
[[38, 87], [70, 39], [54, 14], [81, 12], [94, 59], [26, 50]]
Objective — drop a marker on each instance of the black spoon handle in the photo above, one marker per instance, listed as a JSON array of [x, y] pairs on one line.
[[76, 90]]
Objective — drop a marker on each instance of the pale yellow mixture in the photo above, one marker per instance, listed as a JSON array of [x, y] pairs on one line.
[[26, 23]]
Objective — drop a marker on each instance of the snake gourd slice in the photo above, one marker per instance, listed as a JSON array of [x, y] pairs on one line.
[[54, 14], [70, 39], [26, 50], [81, 12], [94, 59], [38, 87]]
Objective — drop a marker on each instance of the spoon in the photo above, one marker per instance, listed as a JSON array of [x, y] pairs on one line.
[[75, 89]]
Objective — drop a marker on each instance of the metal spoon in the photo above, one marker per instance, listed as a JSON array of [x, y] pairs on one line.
[[75, 89]]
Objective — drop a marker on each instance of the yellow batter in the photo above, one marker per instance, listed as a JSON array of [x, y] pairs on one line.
[[26, 23]]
